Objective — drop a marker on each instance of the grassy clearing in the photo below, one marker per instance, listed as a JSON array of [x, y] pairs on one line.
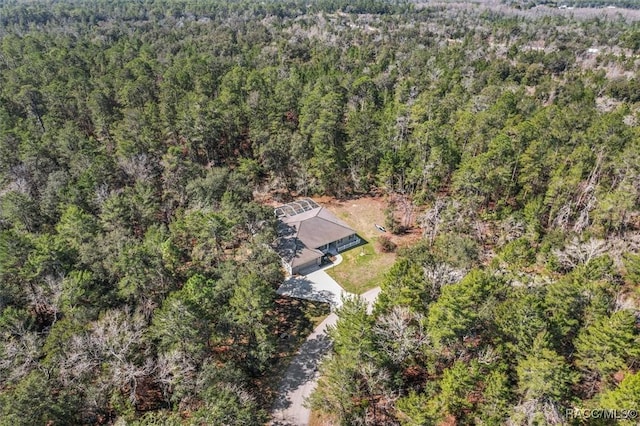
[[319, 419], [362, 268]]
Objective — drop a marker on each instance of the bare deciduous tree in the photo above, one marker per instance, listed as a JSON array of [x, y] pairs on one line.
[[579, 253], [563, 216], [377, 385], [400, 333], [431, 220], [510, 230], [112, 351], [44, 295], [174, 369], [138, 167], [19, 356], [440, 275], [534, 411]]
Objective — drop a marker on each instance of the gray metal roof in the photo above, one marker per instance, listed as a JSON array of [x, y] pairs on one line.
[[318, 227], [302, 233]]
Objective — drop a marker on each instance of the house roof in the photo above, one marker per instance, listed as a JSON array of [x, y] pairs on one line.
[[317, 227], [291, 249], [304, 256], [302, 233]]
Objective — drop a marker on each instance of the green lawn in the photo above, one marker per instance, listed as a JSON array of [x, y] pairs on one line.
[[362, 268]]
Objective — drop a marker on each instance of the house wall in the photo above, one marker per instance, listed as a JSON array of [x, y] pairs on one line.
[[345, 240], [315, 262]]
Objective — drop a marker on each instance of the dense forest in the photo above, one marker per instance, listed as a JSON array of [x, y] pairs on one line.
[[136, 280]]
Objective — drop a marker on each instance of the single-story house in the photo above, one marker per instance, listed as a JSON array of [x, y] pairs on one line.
[[307, 232]]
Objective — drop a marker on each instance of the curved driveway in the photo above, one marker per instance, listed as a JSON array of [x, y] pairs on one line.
[[301, 376]]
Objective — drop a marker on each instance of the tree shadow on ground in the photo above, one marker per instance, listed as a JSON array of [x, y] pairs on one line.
[[302, 288], [302, 369]]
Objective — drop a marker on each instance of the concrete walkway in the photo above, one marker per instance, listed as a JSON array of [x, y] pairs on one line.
[[301, 376]]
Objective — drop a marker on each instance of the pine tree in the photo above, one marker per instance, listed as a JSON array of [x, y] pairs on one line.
[[609, 345], [544, 374]]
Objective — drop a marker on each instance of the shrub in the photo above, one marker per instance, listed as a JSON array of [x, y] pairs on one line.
[[386, 245]]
